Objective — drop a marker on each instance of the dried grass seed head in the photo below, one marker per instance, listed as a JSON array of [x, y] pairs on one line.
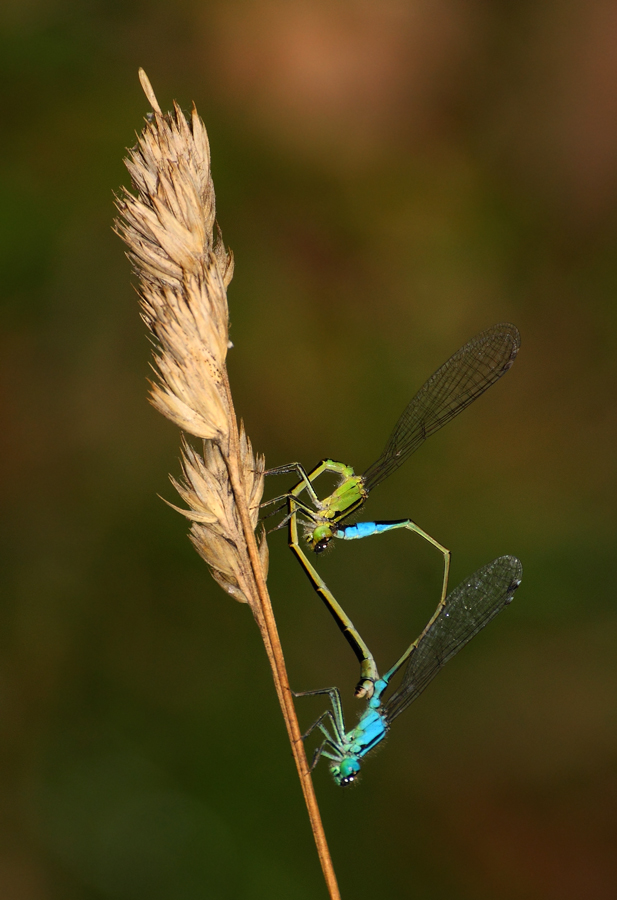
[[183, 269]]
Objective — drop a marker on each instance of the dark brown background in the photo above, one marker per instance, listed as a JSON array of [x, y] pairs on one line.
[[393, 178]]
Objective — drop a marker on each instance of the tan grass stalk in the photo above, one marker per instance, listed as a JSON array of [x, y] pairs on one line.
[[184, 270]]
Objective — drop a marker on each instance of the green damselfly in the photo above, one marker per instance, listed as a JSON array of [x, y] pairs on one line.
[[459, 617], [450, 390]]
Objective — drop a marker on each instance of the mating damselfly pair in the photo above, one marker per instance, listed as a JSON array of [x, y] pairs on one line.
[[459, 615]]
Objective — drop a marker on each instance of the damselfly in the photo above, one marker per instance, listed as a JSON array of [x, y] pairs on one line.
[[464, 612], [460, 381]]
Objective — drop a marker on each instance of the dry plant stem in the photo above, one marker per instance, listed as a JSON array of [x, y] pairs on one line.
[[275, 654], [184, 271]]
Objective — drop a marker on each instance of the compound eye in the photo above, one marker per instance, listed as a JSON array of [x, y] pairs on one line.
[[320, 546], [349, 780]]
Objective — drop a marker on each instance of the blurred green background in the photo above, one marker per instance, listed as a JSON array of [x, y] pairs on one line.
[[392, 178]]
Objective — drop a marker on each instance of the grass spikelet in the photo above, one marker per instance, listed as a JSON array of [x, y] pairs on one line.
[[184, 270], [216, 531]]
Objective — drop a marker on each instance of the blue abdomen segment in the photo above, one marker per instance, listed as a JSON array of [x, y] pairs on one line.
[[364, 529]]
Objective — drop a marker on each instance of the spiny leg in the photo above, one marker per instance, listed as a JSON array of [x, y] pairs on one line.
[[304, 484], [304, 510], [283, 498], [337, 707], [328, 716], [335, 716], [368, 668], [305, 480], [367, 529], [321, 751]]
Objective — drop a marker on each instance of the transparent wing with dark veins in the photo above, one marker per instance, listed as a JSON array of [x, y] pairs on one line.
[[464, 612], [460, 381]]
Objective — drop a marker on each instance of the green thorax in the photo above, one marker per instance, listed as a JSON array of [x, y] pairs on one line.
[[348, 496]]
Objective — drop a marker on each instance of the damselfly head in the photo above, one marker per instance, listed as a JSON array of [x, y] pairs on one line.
[[320, 537], [345, 772]]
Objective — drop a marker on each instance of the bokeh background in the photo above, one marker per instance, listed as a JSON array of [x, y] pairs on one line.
[[393, 177]]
